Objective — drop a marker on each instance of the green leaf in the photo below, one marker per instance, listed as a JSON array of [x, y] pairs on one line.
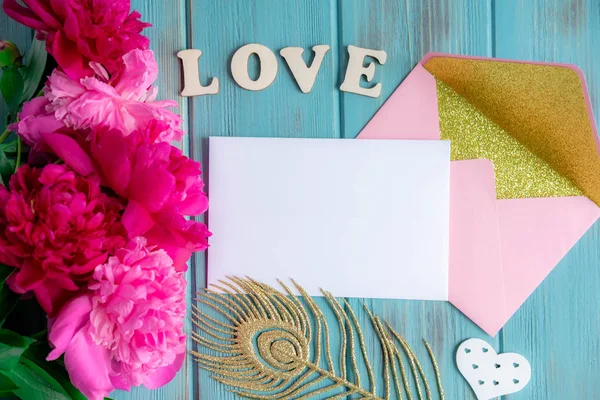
[[12, 346], [8, 301], [9, 147], [11, 86], [37, 354], [35, 62], [35, 383], [5, 272], [7, 167], [40, 336], [6, 384]]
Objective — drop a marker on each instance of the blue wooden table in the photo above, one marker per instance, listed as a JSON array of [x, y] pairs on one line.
[[558, 328]]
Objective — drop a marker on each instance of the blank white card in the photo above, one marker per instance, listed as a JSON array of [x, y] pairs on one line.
[[358, 218]]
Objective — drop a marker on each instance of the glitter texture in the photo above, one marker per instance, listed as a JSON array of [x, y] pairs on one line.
[[543, 107], [519, 172]]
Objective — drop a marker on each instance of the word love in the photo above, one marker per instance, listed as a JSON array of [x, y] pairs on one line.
[[305, 75]]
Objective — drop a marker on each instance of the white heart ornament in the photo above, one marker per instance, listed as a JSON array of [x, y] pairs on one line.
[[491, 374]]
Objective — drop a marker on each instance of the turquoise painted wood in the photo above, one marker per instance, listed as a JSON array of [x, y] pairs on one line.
[[22, 37], [558, 327]]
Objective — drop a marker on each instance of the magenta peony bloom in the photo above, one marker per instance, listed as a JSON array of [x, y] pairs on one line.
[[125, 101], [80, 31], [56, 227], [128, 330], [161, 185]]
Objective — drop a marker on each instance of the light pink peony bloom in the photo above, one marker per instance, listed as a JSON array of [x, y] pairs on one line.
[[161, 185], [80, 31], [126, 101], [128, 330], [56, 227]]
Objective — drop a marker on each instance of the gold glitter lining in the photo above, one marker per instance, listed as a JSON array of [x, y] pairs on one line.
[[270, 337], [543, 107], [519, 172]]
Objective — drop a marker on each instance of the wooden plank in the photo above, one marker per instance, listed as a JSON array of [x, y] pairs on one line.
[[167, 37], [19, 35], [406, 31], [557, 327], [168, 34], [281, 110]]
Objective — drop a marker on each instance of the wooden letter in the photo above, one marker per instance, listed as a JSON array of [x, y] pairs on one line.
[[305, 76], [268, 67], [191, 75], [356, 69]]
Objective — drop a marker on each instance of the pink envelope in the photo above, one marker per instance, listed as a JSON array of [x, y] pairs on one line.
[[525, 176]]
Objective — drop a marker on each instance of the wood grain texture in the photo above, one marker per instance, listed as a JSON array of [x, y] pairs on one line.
[[557, 328], [219, 28], [168, 35], [544, 31], [21, 36], [407, 31]]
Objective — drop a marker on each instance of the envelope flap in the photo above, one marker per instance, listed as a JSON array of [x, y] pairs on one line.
[[475, 136], [543, 107]]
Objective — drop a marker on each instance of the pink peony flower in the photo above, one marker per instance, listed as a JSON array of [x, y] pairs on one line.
[[128, 330], [125, 101], [34, 120], [161, 185], [80, 31], [56, 227]]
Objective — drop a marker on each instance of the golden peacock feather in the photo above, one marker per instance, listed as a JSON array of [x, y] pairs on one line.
[[272, 346]]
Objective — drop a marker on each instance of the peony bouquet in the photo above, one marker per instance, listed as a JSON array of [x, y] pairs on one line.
[[94, 227]]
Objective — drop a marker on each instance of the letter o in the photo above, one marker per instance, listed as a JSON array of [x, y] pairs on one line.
[[268, 67]]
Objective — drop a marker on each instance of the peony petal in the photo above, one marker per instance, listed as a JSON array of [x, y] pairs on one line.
[[29, 276], [178, 236], [136, 219], [180, 257], [119, 382], [88, 365], [61, 89], [7, 258], [89, 266], [151, 186], [52, 297], [70, 152], [12, 284], [44, 298], [194, 205], [138, 73], [173, 243], [72, 317], [23, 15], [59, 280], [59, 7], [68, 57], [164, 375], [31, 128], [40, 8], [70, 22], [35, 106], [111, 152]]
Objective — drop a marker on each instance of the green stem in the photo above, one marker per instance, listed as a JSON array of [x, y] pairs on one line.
[[4, 135], [18, 162]]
